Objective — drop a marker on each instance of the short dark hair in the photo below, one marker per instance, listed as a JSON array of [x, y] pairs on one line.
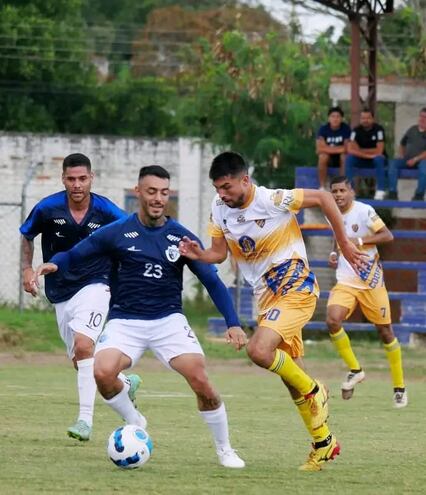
[[423, 110], [339, 179], [227, 163], [335, 109], [367, 110], [76, 160], [156, 170]]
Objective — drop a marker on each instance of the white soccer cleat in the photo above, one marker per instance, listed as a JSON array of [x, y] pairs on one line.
[[400, 399], [352, 378], [380, 195], [230, 459]]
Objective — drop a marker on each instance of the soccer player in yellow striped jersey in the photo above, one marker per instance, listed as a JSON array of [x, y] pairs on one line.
[[366, 288], [258, 226]]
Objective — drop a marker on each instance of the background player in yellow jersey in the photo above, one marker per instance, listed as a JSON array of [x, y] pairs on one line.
[[366, 288], [259, 227]]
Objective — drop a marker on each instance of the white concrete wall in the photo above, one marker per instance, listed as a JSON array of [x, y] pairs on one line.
[[116, 162]]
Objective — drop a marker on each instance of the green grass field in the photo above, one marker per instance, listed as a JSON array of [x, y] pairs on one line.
[[383, 450]]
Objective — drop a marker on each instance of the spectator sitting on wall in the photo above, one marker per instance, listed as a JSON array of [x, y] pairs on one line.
[[412, 154], [332, 140], [366, 149]]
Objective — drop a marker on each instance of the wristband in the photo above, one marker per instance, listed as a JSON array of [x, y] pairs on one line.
[[360, 241]]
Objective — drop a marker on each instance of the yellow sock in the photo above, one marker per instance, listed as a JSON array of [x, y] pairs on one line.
[[292, 374], [343, 345], [319, 434], [393, 353]]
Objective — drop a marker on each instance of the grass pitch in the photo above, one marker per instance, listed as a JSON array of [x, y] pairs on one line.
[[383, 449]]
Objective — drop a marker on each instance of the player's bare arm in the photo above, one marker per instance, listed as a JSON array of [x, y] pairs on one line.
[[237, 337], [217, 253], [27, 265], [382, 236], [43, 269], [325, 201]]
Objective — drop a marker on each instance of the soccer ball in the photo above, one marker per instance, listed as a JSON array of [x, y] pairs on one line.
[[129, 447]]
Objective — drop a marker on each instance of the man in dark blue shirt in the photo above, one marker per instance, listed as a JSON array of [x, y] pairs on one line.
[[332, 139], [146, 306], [366, 149], [80, 295]]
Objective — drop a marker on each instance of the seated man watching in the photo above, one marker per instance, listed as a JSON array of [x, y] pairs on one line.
[[366, 149], [332, 139], [412, 154]]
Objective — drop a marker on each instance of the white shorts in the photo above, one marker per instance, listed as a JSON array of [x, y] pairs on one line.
[[84, 313], [166, 337]]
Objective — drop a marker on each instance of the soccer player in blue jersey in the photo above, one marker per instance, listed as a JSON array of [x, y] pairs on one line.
[[80, 295], [146, 306]]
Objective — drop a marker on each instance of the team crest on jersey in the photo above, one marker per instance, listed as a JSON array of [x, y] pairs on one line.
[[355, 227], [172, 253], [60, 221], [241, 219], [247, 244], [260, 223]]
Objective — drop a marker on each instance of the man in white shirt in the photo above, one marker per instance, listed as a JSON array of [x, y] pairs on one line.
[[366, 288]]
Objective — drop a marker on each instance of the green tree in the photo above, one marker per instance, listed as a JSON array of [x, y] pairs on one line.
[[263, 98]]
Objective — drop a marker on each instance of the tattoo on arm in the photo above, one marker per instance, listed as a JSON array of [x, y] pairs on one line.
[[27, 253]]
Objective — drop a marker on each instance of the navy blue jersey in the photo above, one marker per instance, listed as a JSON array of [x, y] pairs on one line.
[[147, 279], [334, 137], [59, 231]]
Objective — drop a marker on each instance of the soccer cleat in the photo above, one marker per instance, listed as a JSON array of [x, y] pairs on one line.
[[318, 403], [380, 195], [230, 459], [134, 381], [400, 398], [80, 430], [318, 456], [348, 386]]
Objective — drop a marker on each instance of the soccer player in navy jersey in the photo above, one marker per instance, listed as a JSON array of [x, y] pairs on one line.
[[80, 295], [146, 306]]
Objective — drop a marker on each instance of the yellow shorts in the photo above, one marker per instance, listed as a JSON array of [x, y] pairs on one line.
[[374, 303], [287, 317]]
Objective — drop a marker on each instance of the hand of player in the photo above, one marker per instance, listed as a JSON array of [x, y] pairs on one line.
[[333, 259], [43, 269], [189, 248], [356, 258], [411, 162], [236, 336], [28, 277]]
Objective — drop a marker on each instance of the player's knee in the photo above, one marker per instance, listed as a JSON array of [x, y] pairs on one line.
[[259, 355], [83, 349], [199, 382], [385, 333], [103, 375], [333, 323]]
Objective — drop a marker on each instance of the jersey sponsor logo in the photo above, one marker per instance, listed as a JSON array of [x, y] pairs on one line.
[[131, 235], [355, 227], [277, 197], [247, 244], [133, 248], [172, 253], [260, 223], [60, 221], [241, 219], [93, 226], [58, 234], [173, 238]]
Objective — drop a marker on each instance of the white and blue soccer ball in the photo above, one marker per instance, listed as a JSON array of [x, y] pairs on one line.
[[129, 447]]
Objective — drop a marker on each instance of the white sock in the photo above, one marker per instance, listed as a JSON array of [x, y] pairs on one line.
[[122, 404], [217, 421], [86, 389]]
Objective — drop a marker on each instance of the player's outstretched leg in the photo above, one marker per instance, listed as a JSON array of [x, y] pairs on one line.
[[118, 391], [211, 408]]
